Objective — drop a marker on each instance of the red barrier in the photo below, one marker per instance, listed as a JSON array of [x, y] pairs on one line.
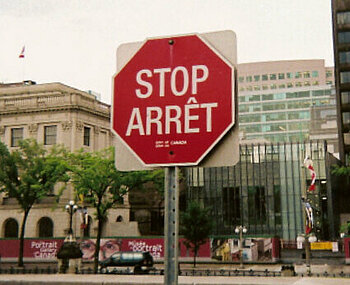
[[48, 248]]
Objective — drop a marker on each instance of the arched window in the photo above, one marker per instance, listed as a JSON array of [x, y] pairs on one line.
[[45, 227], [119, 219], [11, 228]]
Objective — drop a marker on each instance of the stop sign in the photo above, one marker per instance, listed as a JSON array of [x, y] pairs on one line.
[[173, 101]]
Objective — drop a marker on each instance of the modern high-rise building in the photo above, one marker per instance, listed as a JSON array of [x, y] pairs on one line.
[[275, 98], [341, 43]]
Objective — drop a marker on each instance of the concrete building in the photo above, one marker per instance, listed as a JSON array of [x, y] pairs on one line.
[[275, 98], [56, 114], [341, 44]]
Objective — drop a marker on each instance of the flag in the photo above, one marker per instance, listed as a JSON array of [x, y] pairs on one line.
[[308, 165], [309, 216], [21, 55]]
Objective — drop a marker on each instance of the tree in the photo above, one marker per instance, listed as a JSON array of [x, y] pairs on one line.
[[341, 170], [196, 226], [29, 174], [95, 177]]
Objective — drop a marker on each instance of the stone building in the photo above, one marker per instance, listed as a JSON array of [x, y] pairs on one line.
[[54, 113]]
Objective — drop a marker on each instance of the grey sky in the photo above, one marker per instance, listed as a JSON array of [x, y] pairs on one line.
[[75, 41]]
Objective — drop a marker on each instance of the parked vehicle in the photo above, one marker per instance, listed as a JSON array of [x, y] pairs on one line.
[[141, 262]]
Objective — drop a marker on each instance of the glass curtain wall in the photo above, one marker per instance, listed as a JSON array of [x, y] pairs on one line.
[[263, 190]]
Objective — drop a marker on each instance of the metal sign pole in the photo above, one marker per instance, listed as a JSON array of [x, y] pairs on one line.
[[171, 225]]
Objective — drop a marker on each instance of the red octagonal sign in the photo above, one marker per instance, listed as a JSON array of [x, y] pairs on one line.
[[173, 101]]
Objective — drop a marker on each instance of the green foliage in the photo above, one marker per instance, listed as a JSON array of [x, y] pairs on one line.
[[341, 170], [101, 185], [29, 174], [195, 226]]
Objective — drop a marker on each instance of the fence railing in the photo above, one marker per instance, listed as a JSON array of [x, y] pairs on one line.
[[182, 272]]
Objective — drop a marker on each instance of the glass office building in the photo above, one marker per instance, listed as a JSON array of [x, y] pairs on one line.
[[264, 190], [275, 98]]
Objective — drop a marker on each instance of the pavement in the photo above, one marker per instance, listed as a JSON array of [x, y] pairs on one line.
[[111, 279], [59, 279]]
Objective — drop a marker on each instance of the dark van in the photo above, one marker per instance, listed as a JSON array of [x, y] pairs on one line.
[[142, 262]]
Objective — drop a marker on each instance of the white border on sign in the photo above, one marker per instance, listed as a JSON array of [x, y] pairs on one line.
[[219, 137]]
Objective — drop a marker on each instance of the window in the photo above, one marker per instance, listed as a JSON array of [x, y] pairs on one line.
[[345, 97], [50, 135], [279, 96], [345, 77], [289, 75], [298, 84], [346, 118], [274, 117], [344, 37], [11, 228], [267, 97], [307, 74], [241, 99], [315, 83], [253, 98], [256, 88], [264, 77], [344, 57], [318, 93], [265, 87], [281, 86], [231, 204], [301, 94], [343, 18], [241, 79], [273, 76], [249, 88], [299, 104], [241, 88], [249, 79], [280, 75], [273, 106], [307, 83], [16, 136], [45, 227], [249, 118], [256, 78], [87, 136], [289, 85], [273, 86], [256, 205], [330, 82], [314, 73], [329, 73], [297, 74]]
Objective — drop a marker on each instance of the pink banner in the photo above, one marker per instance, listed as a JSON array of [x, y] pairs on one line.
[[33, 248], [48, 248]]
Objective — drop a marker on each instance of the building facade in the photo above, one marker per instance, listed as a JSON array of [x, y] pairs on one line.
[[56, 114], [264, 191], [341, 44], [275, 98]]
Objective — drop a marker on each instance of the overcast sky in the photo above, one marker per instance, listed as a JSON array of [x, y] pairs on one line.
[[74, 41]]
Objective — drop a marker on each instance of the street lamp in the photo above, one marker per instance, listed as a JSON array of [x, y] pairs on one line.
[[71, 207], [241, 230]]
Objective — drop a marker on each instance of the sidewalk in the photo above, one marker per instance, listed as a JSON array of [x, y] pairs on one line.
[[58, 279]]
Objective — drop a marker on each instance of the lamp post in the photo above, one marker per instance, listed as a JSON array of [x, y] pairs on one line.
[[306, 240], [241, 230], [71, 207]]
